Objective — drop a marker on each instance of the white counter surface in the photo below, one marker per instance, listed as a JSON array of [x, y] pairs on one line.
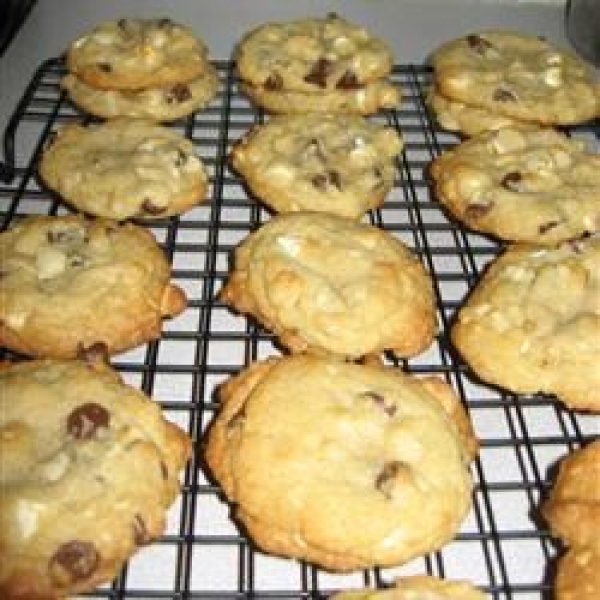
[[412, 27]]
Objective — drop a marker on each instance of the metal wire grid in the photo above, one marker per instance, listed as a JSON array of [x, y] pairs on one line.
[[503, 546]]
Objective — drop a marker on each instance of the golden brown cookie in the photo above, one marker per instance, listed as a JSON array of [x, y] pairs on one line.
[[69, 284], [578, 575], [338, 164], [364, 467], [325, 283], [89, 468]]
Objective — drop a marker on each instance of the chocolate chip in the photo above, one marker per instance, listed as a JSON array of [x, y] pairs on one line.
[[65, 236], [76, 261], [319, 73], [385, 480], [476, 211], [163, 23], [478, 44], [141, 537], [380, 403], [105, 67], [164, 470], [180, 92], [512, 181], [504, 95], [85, 420], [273, 83], [94, 353], [152, 209], [181, 158], [314, 149], [546, 227], [73, 561], [124, 24], [322, 180], [348, 81], [378, 175]]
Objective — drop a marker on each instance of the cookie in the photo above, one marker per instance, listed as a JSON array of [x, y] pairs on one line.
[[340, 164], [74, 441], [124, 168], [69, 284], [365, 467], [578, 576], [417, 587], [518, 76], [532, 324], [309, 55], [131, 54], [521, 184], [463, 118], [324, 283], [158, 104], [365, 100], [573, 508]]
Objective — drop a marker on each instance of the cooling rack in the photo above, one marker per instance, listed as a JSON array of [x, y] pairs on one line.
[[503, 546]]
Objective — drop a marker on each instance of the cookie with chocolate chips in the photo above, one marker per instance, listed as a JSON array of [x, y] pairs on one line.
[[536, 315], [124, 168], [523, 184], [157, 103], [365, 467], [131, 54], [324, 283], [69, 285], [518, 76], [89, 469], [340, 164]]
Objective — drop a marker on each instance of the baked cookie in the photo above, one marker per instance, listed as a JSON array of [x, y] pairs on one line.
[[309, 55], [340, 164], [74, 440], [573, 508], [578, 576], [536, 315], [324, 283], [516, 75], [365, 467], [521, 184], [131, 54], [157, 104], [124, 168], [417, 587], [69, 284], [465, 119]]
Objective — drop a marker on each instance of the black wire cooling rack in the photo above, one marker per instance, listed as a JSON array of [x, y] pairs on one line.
[[503, 545]]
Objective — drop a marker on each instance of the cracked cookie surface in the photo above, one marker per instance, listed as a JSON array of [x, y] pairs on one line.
[[518, 76], [89, 468], [324, 283], [521, 184], [335, 164], [68, 284], [124, 168], [365, 465], [536, 315]]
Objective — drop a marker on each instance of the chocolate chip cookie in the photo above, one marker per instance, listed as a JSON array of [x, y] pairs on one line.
[[89, 468], [125, 168], [70, 284], [325, 283], [338, 164], [344, 465]]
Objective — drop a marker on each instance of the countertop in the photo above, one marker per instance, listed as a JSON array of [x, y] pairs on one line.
[[412, 27]]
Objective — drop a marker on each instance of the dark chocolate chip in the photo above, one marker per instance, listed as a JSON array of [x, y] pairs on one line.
[[76, 261], [74, 561], [385, 480], [164, 22], [380, 403], [546, 227], [478, 44], [319, 73], [273, 83], [512, 181], [105, 67], [94, 353], [180, 92], [85, 420], [152, 209], [504, 95], [123, 24], [181, 158], [476, 211], [141, 537], [348, 81], [322, 180]]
